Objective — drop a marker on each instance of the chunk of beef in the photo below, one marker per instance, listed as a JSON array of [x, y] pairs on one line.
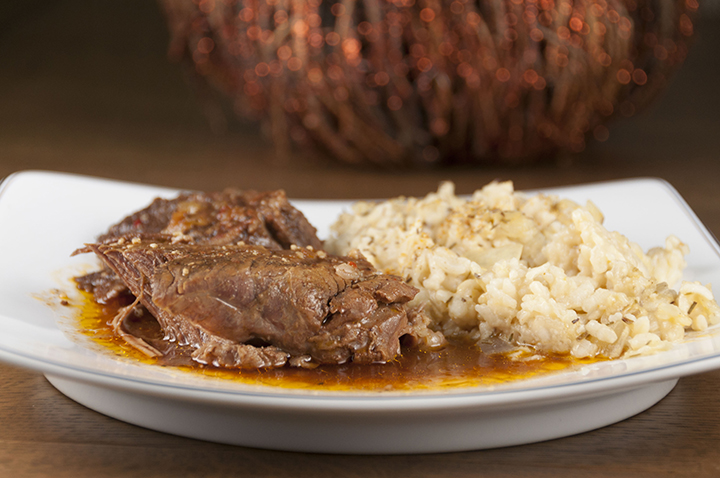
[[297, 305], [219, 218], [105, 285], [150, 220], [227, 217]]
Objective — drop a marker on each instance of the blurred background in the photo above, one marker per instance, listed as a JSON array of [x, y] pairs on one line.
[[86, 86]]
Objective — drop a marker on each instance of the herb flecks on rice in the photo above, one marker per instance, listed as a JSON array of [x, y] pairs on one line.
[[531, 269]]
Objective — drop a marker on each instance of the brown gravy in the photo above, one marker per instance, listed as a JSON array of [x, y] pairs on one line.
[[455, 366]]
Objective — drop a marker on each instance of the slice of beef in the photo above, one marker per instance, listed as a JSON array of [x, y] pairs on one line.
[[227, 217], [150, 220], [249, 306], [286, 224], [105, 286], [219, 218]]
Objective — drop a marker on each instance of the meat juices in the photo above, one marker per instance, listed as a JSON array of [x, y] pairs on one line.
[[248, 305]]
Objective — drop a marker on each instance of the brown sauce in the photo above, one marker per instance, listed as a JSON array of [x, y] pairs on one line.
[[455, 366]]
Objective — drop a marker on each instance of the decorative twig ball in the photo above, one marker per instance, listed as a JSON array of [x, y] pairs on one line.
[[410, 82]]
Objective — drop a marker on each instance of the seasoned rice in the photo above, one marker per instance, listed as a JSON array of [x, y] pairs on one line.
[[534, 270]]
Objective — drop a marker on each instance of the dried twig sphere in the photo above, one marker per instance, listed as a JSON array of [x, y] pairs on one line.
[[409, 82]]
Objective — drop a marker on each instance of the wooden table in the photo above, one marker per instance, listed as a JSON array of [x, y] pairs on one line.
[[85, 87]]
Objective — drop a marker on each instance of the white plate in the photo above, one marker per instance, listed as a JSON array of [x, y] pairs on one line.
[[45, 216]]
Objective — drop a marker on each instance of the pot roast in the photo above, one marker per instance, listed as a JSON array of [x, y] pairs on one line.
[[239, 280]]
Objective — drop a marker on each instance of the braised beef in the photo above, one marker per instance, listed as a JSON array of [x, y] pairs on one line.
[[250, 306], [105, 286], [227, 217], [219, 218], [150, 220]]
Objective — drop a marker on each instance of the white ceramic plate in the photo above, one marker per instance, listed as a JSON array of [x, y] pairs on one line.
[[45, 216]]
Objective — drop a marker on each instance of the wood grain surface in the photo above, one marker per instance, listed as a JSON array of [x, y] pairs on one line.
[[85, 87]]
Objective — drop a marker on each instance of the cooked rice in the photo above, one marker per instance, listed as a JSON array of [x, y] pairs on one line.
[[533, 270]]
